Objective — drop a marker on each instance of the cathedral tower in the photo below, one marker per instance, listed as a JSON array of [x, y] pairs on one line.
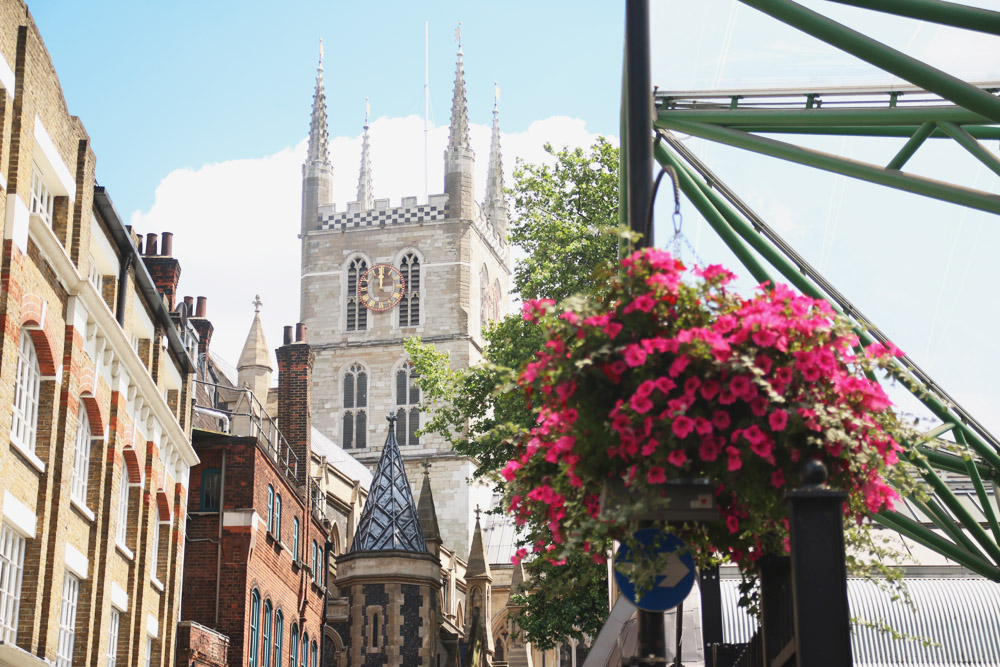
[[376, 274]]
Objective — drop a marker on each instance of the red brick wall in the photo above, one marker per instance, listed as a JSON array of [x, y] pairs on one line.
[[199, 645], [295, 364]]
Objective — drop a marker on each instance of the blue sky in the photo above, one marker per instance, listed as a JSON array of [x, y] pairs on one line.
[[198, 113]]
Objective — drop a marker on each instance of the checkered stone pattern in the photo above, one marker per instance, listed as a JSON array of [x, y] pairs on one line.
[[378, 217]]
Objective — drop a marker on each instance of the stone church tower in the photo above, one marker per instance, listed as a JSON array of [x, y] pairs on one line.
[[375, 274]]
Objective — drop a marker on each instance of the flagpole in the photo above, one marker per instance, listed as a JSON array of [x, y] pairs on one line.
[[426, 104]]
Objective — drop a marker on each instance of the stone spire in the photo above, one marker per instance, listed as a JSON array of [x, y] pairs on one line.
[[478, 564], [427, 513], [254, 366], [365, 177], [389, 519], [495, 204], [459, 159], [317, 171]]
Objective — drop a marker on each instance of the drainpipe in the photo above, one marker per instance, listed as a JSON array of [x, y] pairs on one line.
[[122, 290], [218, 558]]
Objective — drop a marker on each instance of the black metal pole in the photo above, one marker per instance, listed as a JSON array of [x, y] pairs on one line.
[[639, 117], [776, 622], [711, 610], [819, 573]]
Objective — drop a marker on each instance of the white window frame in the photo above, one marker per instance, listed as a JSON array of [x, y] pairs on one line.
[[12, 548], [121, 530], [42, 198], [149, 652], [154, 552], [81, 458], [114, 622], [95, 276], [27, 391], [67, 620]]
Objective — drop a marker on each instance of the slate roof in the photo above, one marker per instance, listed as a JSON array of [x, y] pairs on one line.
[[389, 519]]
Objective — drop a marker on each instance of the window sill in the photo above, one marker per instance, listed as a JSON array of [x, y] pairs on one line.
[[124, 550], [156, 583], [82, 509], [28, 455]]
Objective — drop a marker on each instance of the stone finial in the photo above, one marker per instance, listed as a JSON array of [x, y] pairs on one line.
[[365, 196], [478, 565], [319, 138], [257, 303], [495, 204], [458, 133]]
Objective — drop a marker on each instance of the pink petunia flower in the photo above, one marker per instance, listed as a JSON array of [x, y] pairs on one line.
[[656, 475], [677, 457], [778, 420]]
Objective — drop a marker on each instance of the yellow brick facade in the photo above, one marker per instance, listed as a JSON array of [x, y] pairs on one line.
[[105, 346]]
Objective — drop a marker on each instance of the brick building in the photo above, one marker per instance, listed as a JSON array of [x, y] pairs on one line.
[[95, 449]]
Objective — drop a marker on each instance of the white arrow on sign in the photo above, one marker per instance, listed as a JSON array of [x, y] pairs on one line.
[[676, 571]]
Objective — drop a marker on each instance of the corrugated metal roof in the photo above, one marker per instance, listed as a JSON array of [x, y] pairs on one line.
[[960, 615]]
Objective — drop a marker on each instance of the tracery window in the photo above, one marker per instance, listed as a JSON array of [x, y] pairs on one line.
[[407, 405], [355, 408], [484, 288], [357, 314], [409, 307]]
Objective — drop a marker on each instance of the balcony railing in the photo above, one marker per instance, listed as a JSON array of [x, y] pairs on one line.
[[239, 413]]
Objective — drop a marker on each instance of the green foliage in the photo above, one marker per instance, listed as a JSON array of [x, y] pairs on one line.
[[566, 220]]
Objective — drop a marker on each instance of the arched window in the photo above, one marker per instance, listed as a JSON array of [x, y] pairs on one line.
[[81, 458], [27, 388], [484, 289], [374, 628], [254, 627], [357, 314], [277, 516], [315, 561], [265, 637], [295, 538], [494, 299], [293, 649], [305, 650], [407, 405], [315, 654], [279, 627], [270, 508], [409, 307], [355, 408]]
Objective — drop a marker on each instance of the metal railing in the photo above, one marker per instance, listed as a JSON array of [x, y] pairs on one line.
[[240, 413]]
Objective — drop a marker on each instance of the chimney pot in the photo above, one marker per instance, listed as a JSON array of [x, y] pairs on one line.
[[167, 244], [189, 303], [288, 336], [150, 244], [300, 333], [202, 309]]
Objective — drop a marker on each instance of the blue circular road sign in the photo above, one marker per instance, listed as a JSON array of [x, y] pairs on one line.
[[671, 586]]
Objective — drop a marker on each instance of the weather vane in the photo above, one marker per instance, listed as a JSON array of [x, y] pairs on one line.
[[257, 303], [458, 36]]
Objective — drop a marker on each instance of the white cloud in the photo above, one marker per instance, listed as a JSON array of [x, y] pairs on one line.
[[236, 223]]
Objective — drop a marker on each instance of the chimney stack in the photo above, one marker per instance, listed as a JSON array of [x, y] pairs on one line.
[[163, 269], [295, 365], [200, 323]]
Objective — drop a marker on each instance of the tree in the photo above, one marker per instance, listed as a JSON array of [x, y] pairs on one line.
[[566, 220]]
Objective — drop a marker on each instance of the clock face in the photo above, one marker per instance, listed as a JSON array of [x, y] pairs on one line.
[[381, 287]]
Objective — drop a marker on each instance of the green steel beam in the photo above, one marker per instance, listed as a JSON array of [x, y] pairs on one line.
[[823, 116], [951, 462], [970, 144], [712, 215], [922, 535], [940, 518], [935, 11], [984, 499], [881, 56], [975, 131], [860, 170], [945, 494], [911, 146]]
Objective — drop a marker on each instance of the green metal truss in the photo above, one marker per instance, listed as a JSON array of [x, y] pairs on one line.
[[937, 106]]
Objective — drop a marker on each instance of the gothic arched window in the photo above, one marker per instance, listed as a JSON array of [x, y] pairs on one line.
[[357, 314], [484, 289], [355, 408], [409, 307], [407, 405]]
